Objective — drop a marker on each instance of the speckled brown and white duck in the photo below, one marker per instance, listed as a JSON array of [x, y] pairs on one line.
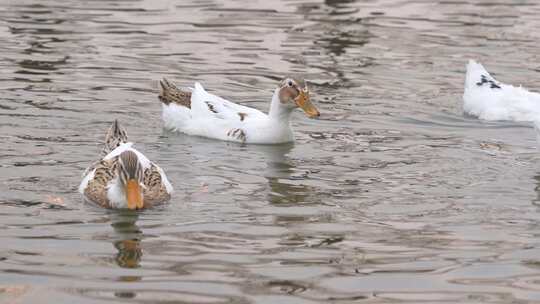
[[196, 112], [124, 178]]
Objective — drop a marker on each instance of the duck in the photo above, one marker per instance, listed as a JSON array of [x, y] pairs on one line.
[[196, 112], [124, 178], [488, 99]]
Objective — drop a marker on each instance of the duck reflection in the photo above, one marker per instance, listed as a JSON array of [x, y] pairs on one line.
[[127, 240], [343, 29], [40, 29], [284, 181], [337, 3], [536, 201]]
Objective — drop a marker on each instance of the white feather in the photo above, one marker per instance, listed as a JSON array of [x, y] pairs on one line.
[[86, 180], [145, 162], [116, 194], [175, 116], [491, 103]]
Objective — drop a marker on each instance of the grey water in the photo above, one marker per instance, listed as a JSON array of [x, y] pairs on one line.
[[391, 196]]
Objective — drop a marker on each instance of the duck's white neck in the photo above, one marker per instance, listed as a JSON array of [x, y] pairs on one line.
[[278, 111]]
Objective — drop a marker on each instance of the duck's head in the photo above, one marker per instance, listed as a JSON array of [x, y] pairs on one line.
[[294, 93], [130, 173]]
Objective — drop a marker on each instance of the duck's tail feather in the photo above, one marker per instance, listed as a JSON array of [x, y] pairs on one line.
[[116, 135], [168, 93], [478, 77]]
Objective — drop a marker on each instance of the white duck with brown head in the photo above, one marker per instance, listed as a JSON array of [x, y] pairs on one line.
[[197, 112]]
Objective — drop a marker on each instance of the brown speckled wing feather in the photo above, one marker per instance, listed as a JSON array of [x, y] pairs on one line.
[[96, 191], [155, 192], [116, 135], [170, 93]]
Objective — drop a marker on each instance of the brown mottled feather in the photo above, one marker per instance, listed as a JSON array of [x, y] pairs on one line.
[[170, 93], [116, 135], [155, 192], [96, 191]]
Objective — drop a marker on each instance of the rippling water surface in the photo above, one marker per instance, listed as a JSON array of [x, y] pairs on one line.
[[392, 196]]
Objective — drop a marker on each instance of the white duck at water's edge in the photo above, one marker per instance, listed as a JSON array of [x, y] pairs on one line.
[[488, 99], [197, 112]]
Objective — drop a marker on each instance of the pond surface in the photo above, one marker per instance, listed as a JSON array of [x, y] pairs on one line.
[[392, 196]]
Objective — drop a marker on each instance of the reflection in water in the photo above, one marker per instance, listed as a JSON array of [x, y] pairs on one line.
[[129, 253], [40, 66], [341, 35], [128, 243], [285, 187], [536, 202], [282, 191], [127, 240], [337, 3]]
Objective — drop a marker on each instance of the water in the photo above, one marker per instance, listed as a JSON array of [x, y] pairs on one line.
[[392, 196]]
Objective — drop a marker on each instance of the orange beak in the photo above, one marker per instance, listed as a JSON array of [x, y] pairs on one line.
[[304, 102], [134, 195]]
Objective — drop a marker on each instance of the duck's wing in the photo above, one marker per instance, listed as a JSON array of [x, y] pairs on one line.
[[94, 184], [478, 77], [204, 104], [482, 92], [158, 189], [489, 99]]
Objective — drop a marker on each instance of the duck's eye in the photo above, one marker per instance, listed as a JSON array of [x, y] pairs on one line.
[[289, 83]]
